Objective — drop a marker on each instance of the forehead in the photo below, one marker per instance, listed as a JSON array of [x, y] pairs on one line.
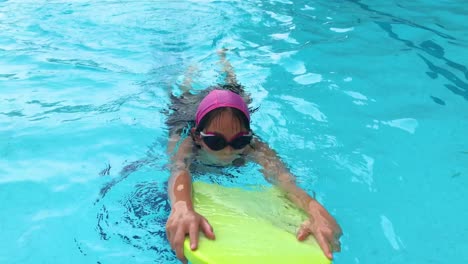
[[225, 121]]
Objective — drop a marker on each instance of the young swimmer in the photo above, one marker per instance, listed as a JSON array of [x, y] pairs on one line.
[[221, 136]]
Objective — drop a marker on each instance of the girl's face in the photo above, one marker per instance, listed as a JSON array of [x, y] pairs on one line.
[[227, 125]]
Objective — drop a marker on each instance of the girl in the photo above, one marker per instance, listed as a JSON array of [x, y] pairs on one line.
[[220, 135]]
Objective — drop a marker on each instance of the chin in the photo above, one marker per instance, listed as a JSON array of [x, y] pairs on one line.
[[226, 159]]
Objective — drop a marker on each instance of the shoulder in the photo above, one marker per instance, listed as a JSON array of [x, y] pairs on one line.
[[255, 147], [181, 148], [261, 151]]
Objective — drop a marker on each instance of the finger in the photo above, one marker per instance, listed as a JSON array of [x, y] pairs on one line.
[[207, 229], [338, 232], [178, 247], [168, 232], [193, 234], [168, 235], [336, 246], [325, 246], [170, 238], [302, 233]]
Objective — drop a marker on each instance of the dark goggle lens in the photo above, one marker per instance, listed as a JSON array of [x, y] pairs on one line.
[[217, 143], [241, 142]]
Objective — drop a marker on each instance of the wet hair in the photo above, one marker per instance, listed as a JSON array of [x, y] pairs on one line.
[[182, 109], [236, 113]]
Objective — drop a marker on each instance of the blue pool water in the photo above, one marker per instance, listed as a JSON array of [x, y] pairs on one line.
[[366, 101]]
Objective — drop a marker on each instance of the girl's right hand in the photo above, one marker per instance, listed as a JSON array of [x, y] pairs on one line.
[[182, 221]]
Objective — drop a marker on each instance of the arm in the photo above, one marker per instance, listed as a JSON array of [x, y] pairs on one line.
[[320, 223], [227, 68], [186, 85], [180, 182], [183, 219]]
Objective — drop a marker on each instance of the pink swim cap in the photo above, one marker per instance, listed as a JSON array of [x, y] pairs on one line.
[[220, 98]]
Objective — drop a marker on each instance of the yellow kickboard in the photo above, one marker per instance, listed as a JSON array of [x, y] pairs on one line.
[[251, 227]]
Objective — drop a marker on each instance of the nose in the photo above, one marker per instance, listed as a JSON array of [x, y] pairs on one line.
[[228, 150]]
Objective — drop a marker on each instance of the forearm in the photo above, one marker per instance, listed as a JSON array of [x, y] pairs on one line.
[[297, 195], [180, 183], [276, 172], [227, 68], [180, 188]]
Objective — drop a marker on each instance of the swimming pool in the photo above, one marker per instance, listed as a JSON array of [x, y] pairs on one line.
[[365, 100]]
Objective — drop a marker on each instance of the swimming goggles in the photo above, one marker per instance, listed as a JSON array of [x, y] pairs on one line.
[[216, 141]]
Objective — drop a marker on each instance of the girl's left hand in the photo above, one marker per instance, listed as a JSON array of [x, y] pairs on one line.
[[323, 227]]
